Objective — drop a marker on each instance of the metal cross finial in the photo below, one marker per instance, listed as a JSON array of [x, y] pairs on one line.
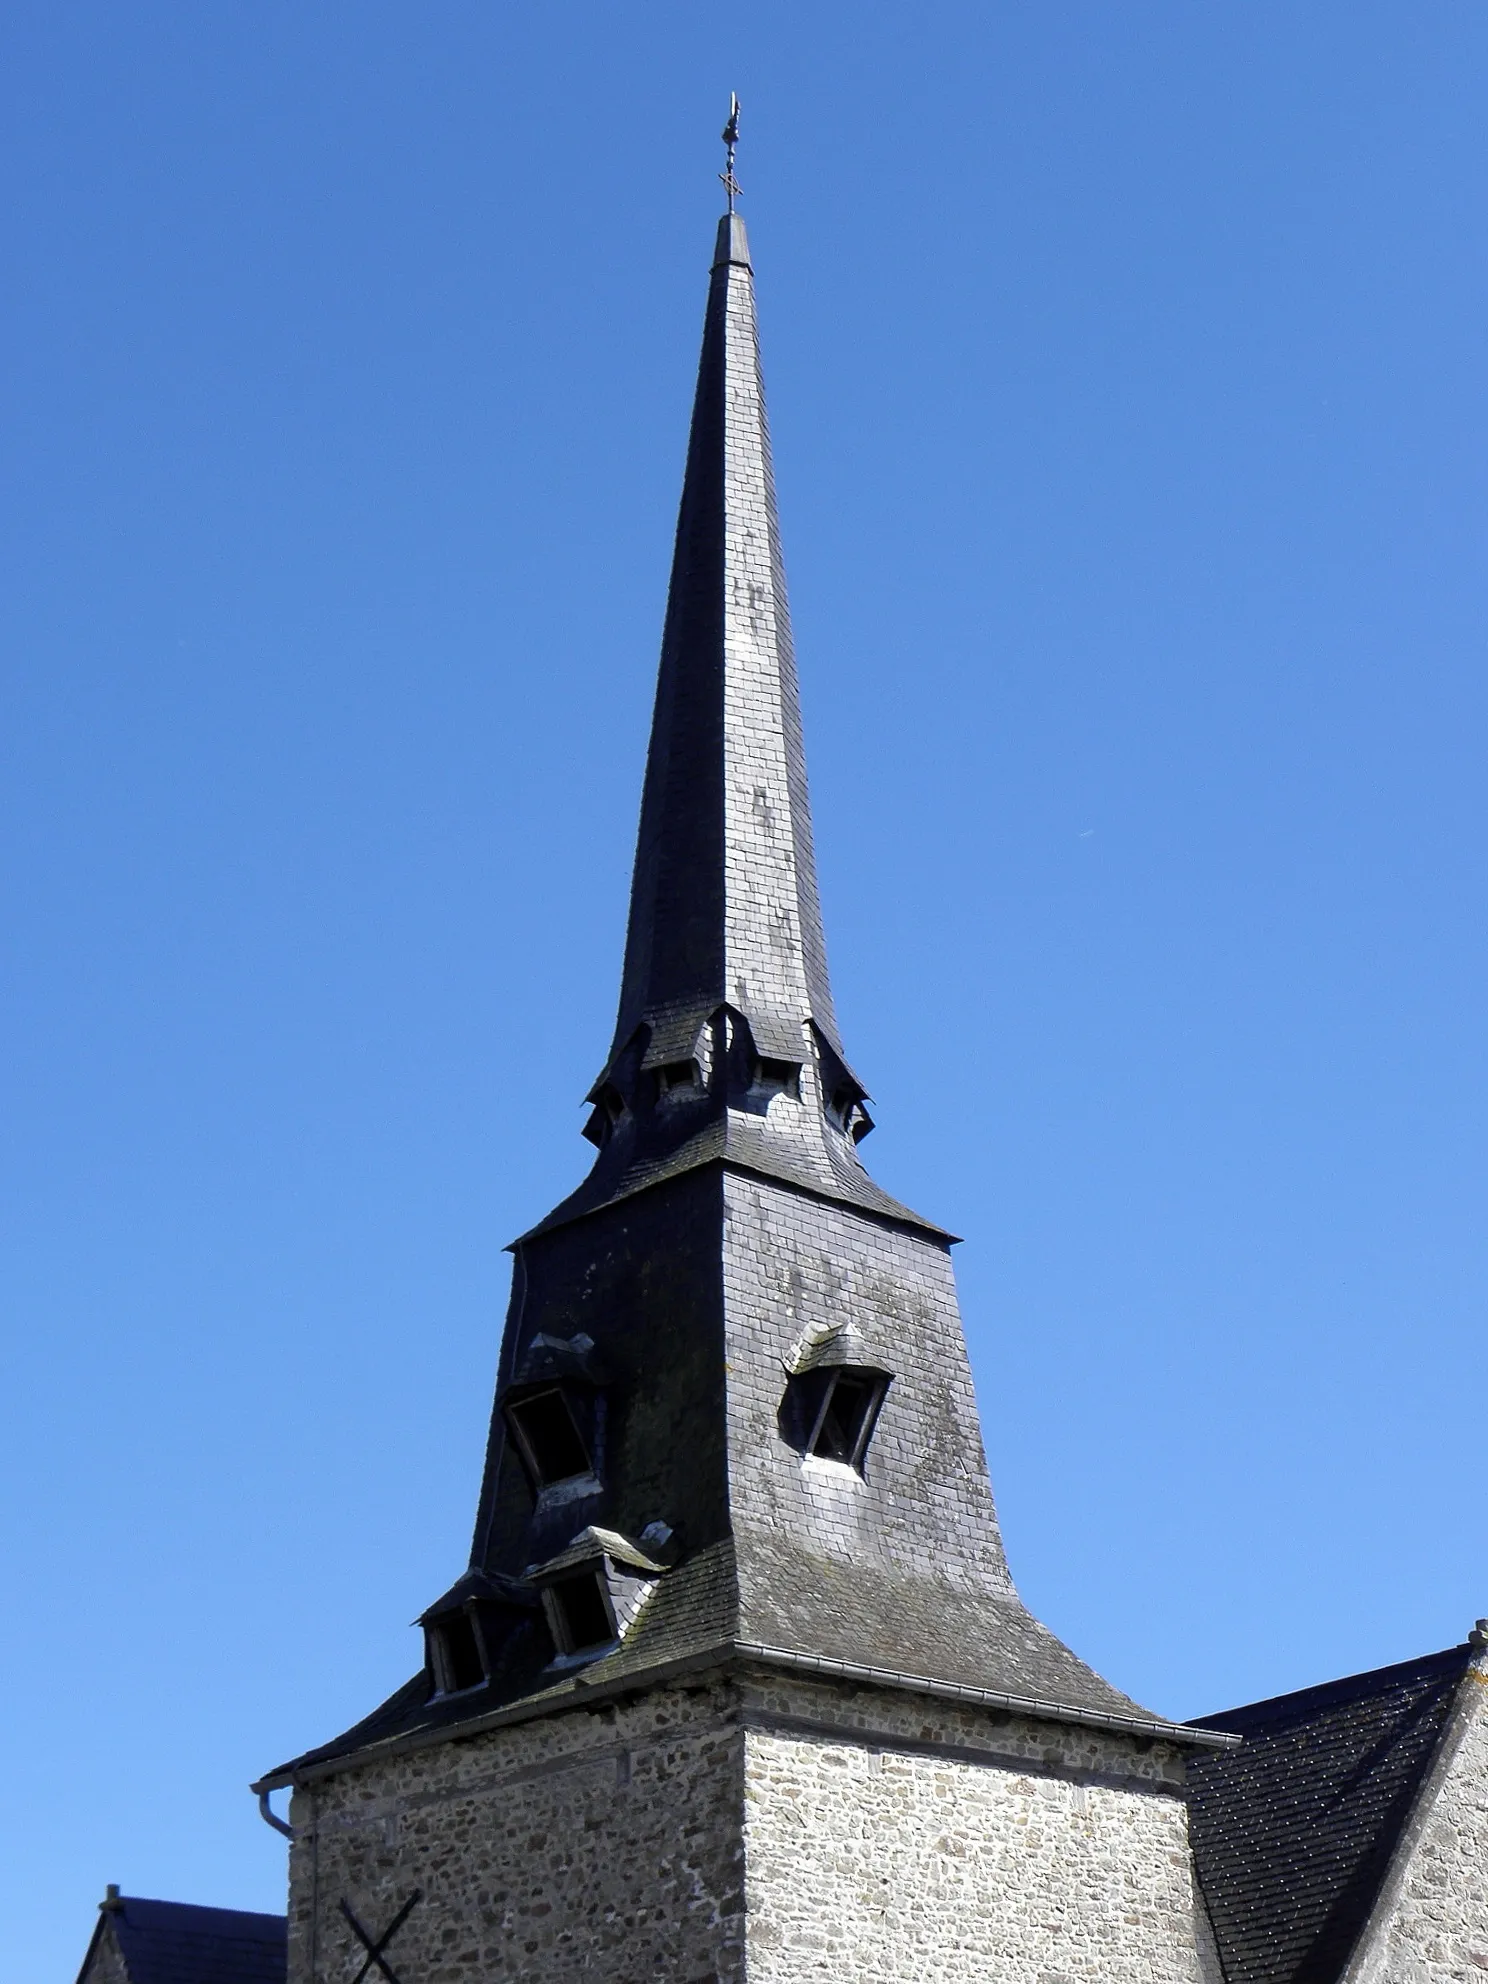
[[731, 138]]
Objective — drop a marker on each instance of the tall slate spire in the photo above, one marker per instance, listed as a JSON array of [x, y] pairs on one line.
[[725, 1001], [734, 1423], [724, 908]]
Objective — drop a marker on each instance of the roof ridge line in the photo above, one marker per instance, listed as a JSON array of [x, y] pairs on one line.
[[1315, 1688]]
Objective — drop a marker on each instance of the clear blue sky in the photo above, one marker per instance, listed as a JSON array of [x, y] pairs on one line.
[[1126, 365]]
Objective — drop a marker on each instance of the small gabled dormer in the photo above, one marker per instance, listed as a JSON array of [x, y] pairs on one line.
[[593, 1590], [457, 1657], [661, 1069], [678, 1080], [773, 1077], [677, 1066], [607, 1115], [763, 1060], [843, 1095], [614, 1094], [467, 1631]]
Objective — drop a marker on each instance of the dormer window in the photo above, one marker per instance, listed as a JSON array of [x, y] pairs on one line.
[[846, 1417], [845, 1109], [781, 1078], [829, 1412], [609, 1107], [592, 1591], [579, 1611], [548, 1436], [843, 1095], [476, 1629], [673, 1076], [457, 1654]]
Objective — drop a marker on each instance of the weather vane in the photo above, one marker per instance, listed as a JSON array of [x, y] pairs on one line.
[[731, 185]]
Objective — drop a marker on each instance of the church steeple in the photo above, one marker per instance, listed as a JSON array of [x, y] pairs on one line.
[[736, 1680], [724, 906], [726, 1042], [734, 1418]]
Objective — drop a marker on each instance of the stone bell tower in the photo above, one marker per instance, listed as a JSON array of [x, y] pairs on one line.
[[736, 1683]]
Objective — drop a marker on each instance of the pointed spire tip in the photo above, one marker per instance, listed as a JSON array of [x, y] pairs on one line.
[[731, 138]]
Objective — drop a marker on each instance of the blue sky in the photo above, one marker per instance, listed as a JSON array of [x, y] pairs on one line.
[[1126, 370]]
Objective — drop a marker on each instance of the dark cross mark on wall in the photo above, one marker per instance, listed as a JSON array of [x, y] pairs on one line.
[[375, 1949]]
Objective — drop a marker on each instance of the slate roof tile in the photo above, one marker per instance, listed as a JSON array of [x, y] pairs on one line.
[[927, 1628], [1293, 1833], [175, 1942]]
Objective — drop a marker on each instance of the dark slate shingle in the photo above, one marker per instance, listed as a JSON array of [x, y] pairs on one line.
[[1292, 1833], [174, 1942]]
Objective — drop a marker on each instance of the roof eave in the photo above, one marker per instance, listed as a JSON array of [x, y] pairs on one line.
[[581, 1691]]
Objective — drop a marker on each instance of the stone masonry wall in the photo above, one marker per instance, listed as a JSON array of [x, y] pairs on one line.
[[777, 1829], [598, 1844], [1431, 1923], [920, 1842]]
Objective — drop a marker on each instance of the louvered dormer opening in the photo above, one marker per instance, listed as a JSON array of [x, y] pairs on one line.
[[843, 1095], [829, 1413], [845, 1109], [677, 1078], [780, 1078]]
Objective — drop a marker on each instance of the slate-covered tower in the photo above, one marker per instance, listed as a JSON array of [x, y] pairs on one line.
[[736, 1682]]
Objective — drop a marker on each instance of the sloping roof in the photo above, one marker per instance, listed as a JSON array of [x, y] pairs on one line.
[[693, 1612], [903, 1632], [1293, 1832], [831, 1172], [175, 1942]]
